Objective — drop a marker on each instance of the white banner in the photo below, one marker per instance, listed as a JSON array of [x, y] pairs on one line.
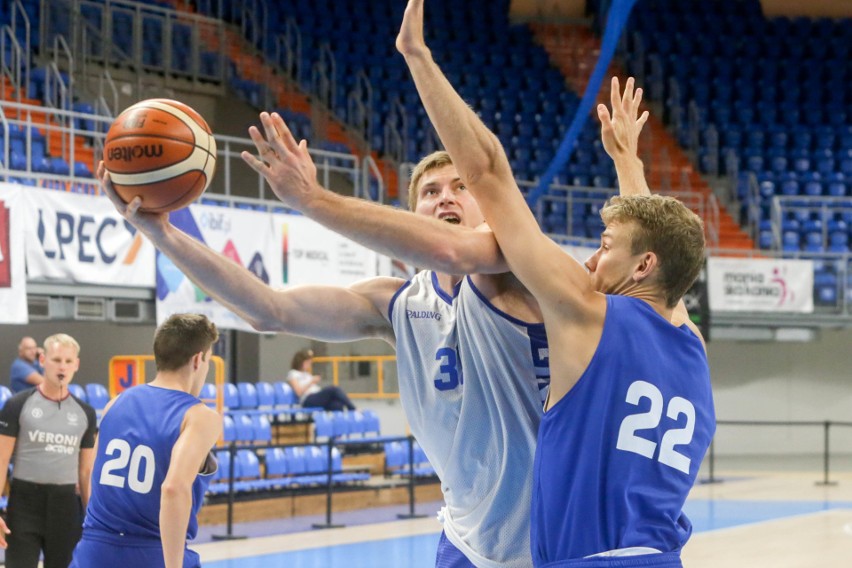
[[245, 237], [83, 240], [760, 285], [13, 278], [316, 255]]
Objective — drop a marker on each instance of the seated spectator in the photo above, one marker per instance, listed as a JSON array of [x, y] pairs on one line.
[[26, 371], [306, 385]]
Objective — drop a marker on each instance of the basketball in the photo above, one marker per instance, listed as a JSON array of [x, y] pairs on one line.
[[161, 150]]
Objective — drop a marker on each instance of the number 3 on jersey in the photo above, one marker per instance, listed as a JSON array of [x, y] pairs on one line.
[[630, 442], [451, 373], [127, 465]]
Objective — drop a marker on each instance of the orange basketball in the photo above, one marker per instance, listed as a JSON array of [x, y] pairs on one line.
[[162, 151]]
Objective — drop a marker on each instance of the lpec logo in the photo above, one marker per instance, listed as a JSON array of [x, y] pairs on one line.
[[5, 256], [86, 238]]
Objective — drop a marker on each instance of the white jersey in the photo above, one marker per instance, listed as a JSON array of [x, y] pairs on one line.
[[472, 381]]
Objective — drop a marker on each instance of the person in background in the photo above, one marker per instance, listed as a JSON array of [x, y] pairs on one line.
[[26, 371], [306, 385], [51, 434], [153, 461]]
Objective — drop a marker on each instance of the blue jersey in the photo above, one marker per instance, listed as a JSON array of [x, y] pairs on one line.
[[134, 452], [617, 456]]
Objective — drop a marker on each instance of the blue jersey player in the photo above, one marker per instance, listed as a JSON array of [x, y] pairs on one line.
[[153, 461], [629, 415]]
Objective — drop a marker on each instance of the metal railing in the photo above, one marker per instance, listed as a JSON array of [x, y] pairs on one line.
[[825, 426], [373, 362]]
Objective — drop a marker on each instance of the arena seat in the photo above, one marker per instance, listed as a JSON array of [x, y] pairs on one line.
[[78, 391], [97, 395], [247, 393], [5, 394]]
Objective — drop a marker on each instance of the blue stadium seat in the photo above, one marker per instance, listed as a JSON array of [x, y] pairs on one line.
[[284, 395], [78, 391], [231, 396], [208, 394], [265, 395], [97, 395], [247, 393]]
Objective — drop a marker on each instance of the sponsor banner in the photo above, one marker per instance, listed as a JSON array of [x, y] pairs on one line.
[[760, 285], [244, 237], [312, 254], [13, 278], [82, 239]]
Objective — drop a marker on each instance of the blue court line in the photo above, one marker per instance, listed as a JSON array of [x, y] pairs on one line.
[[419, 551], [412, 552], [709, 514]]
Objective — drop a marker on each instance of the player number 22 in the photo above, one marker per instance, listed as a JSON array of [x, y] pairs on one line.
[[630, 442], [128, 464]]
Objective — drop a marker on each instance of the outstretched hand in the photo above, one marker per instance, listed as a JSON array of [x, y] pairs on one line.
[[410, 40], [620, 130], [286, 165], [145, 222]]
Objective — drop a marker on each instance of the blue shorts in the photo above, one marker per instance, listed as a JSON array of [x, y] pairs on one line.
[[94, 552], [449, 556]]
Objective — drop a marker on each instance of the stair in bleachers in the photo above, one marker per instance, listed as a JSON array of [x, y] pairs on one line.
[[575, 49], [252, 70]]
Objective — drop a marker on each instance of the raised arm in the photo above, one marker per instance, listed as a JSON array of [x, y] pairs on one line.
[[327, 313], [416, 239], [620, 136], [482, 163]]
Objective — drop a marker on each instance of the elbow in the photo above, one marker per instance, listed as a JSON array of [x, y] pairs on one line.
[[488, 161], [450, 259], [172, 492]]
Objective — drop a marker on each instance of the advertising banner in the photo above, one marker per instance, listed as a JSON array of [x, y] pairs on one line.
[[82, 239], [13, 278], [243, 237], [760, 285]]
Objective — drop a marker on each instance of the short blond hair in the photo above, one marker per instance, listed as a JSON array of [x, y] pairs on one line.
[[665, 226], [62, 339], [433, 161]]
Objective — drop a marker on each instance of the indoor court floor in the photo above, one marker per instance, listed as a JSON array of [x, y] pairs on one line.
[[751, 519]]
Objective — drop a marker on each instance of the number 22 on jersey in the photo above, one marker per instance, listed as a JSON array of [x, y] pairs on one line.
[[630, 441]]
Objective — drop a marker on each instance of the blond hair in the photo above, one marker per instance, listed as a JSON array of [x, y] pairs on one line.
[[665, 226], [433, 161], [62, 339]]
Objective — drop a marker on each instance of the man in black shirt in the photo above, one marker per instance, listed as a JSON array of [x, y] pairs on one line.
[[52, 435]]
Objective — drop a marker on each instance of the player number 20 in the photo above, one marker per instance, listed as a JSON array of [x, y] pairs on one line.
[[128, 465], [629, 441]]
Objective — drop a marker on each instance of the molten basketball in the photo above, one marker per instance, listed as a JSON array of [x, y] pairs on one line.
[[162, 151]]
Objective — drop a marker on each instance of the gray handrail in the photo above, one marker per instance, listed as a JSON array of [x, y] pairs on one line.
[[12, 69], [370, 167], [18, 8], [396, 131]]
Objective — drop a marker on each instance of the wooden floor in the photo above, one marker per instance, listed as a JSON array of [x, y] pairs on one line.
[[750, 518]]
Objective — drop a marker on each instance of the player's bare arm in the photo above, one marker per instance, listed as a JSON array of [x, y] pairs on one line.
[[483, 165], [320, 312], [416, 239], [620, 136], [202, 427], [87, 461]]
